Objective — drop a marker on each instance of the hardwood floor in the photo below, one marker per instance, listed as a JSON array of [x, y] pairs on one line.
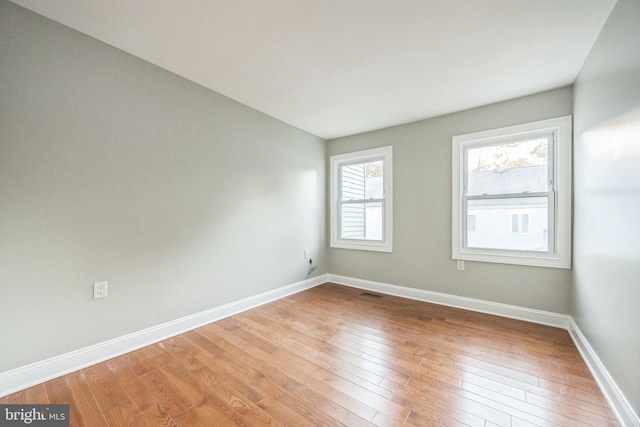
[[331, 356]]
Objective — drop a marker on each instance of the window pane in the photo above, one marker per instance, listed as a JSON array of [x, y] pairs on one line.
[[361, 221], [471, 223], [503, 224], [352, 220], [374, 180], [362, 181], [508, 168], [352, 178]]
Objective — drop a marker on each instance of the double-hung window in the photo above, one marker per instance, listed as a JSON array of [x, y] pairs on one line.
[[512, 195], [361, 200]]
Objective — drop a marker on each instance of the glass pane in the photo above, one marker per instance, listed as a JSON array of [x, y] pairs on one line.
[[508, 168], [362, 181], [352, 181], [471, 223], [519, 224], [374, 180], [361, 221]]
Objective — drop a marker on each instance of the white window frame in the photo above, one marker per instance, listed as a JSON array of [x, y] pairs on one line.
[[386, 155], [559, 255]]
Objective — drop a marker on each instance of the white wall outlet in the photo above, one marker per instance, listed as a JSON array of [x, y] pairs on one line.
[[307, 254], [99, 290], [460, 265]]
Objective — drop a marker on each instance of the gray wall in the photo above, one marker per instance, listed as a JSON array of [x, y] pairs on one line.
[[606, 290], [114, 169], [421, 255]]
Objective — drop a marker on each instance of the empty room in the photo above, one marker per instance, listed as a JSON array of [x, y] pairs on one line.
[[310, 212]]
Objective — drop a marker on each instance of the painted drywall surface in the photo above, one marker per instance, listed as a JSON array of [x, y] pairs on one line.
[[606, 290], [421, 255], [113, 169]]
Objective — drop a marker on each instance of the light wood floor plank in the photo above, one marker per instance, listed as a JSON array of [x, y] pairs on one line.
[[333, 356]]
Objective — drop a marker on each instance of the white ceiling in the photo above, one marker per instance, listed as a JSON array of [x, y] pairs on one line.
[[340, 67]]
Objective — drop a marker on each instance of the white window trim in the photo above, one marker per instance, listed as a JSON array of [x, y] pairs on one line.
[[561, 255], [385, 153]]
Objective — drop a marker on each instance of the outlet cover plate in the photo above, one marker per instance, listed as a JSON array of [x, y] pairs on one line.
[[99, 290]]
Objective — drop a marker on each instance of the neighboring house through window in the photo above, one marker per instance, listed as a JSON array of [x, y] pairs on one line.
[[516, 182], [361, 200]]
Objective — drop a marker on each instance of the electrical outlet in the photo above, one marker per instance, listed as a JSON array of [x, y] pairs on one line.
[[99, 290], [460, 265]]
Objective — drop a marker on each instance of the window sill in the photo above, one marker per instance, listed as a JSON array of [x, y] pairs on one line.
[[543, 260], [362, 246]]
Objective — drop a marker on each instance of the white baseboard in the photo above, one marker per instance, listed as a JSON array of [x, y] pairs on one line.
[[498, 309], [612, 393], [619, 404], [39, 372]]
